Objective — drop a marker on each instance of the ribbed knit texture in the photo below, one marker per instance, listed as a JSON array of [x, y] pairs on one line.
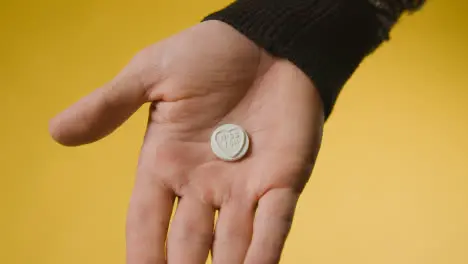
[[326, 39]]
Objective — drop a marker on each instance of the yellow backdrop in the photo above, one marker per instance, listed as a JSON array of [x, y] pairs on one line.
[[391, 182]]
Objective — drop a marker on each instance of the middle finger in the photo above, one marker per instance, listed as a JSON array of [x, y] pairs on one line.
[[233, 232], [191, 232]]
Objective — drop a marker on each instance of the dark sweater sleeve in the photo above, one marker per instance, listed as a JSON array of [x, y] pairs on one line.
[[326, 39]]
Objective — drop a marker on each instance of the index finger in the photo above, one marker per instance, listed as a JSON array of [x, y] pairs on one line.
[[271, 226], [147, 224], [149, 212]]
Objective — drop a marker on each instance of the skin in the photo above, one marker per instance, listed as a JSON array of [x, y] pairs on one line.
[[194, 81]]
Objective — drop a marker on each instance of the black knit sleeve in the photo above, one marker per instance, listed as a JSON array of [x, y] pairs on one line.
[[326, 39]]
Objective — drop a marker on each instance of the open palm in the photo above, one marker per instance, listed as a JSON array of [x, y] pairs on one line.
[[203, 77]]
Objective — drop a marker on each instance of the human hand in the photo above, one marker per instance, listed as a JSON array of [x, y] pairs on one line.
[[196, 80]]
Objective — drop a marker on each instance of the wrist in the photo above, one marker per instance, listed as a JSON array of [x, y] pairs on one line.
[[327, 40]]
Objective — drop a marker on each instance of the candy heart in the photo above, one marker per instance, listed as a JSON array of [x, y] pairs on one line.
[[229, 142]]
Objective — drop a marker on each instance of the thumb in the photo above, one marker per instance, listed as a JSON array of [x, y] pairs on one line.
[[101, 112]]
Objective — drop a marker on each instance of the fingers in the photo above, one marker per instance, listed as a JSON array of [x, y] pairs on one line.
[[191, 234], [233, 233], [147, 222], [102, 111], [271, 226]]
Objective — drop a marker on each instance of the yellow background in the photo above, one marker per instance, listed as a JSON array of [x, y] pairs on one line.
[[391, 182]]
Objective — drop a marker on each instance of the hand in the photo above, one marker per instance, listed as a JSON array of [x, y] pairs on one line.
[[196, 80]]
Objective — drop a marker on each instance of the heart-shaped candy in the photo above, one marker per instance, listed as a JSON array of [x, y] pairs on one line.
[[229, 142]]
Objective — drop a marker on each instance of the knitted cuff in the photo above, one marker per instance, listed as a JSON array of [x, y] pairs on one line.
[[326, 39]]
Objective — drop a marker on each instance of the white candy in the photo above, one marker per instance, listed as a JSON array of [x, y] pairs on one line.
[[230, 142]]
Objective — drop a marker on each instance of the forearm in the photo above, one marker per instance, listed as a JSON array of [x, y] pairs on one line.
[[327, 39]]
